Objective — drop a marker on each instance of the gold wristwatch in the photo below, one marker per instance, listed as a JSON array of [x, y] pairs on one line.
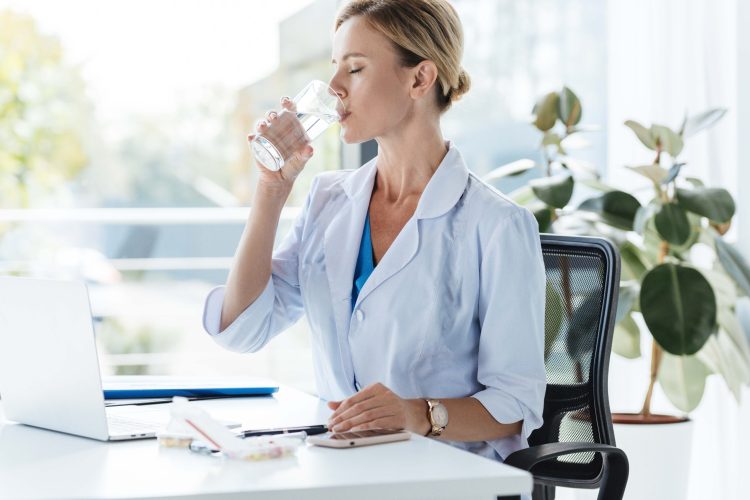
[[438, 415]]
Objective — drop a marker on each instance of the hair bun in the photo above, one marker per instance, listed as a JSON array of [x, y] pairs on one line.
[[462, 87]]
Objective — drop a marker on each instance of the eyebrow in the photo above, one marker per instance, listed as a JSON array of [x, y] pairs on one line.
[[347, 56]]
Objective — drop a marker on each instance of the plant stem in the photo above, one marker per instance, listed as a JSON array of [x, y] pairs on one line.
[[656, 354], [663, 251], [656, 350]]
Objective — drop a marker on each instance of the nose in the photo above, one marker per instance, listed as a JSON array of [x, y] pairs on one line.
[[337, 88]]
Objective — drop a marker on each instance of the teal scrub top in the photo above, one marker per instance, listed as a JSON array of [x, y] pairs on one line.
[[365, 262]]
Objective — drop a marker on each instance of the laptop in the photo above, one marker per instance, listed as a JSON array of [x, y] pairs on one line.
[[49, 367]]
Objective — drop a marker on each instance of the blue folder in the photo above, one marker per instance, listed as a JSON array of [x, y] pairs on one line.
[[154, 386]]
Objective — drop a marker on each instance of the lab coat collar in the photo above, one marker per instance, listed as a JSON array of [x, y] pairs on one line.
[[440, 195], [344, 232], [445, 188]]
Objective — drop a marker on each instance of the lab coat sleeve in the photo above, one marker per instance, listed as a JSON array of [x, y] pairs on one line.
[[279, 305], [511, 316]]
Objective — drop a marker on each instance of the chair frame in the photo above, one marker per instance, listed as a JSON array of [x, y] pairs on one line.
[[613, 476]]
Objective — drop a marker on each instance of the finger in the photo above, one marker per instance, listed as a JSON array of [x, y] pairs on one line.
[[261, 126], [304, 154], [357, 409], [334, 404], [363, 418], [388, 422], [351, 401], [287, 103], [271, 115], [368, 392], [250, 137]]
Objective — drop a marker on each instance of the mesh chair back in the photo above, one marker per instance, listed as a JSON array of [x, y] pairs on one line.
[[583, 276]]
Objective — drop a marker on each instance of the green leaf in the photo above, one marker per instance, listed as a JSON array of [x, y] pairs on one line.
[[672, 224], [727, 318], [569, 108], [730, 323], [626, 299], [642, 133], [644, 214], [545, 111], [632, 262], [702, 121], [683, 379], [674, 171], [669, 140], [514, 168], [523, 195], [627, 338], [651, 244], [654, 172], [580, 167], [679, 307], [694, 181], [617, 208], [554, 191], [597, 185], [543, 217], [743, 315], [714, 203], [721, 356], [553, 318], [695, 233], [734, 263], [553, 139]]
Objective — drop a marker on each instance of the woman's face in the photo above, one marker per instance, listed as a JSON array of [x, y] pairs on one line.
[[370, 80]]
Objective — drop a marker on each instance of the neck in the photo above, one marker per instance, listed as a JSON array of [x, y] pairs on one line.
[[407, 159]]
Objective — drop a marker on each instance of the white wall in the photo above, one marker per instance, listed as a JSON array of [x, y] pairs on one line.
[[743, 120], [666, 56]]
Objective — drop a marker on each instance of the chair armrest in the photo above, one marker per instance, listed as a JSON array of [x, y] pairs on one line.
[[614, 470]]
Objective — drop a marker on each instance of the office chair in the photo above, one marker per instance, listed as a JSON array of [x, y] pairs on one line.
[[575, 447]]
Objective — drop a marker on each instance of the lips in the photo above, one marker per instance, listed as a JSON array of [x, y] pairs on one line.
[[344, 116]]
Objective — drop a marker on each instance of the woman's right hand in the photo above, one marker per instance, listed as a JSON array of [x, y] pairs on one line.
[[284, 177]]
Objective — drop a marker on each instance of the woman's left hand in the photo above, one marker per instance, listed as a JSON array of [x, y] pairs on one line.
[[377, 407]]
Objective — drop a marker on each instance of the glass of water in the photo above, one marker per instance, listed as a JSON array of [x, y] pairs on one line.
[[316, 107]]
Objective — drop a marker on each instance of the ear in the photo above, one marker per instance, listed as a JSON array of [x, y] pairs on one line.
[[424, 77]]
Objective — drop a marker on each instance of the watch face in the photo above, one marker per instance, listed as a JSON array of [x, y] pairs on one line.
[[440, 415]]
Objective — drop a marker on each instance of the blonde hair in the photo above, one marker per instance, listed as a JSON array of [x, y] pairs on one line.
[[419, 30]]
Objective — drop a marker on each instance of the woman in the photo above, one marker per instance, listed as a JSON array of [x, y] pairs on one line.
[[445, 336]]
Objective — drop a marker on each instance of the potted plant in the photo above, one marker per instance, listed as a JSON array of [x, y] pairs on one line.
[[681, 279]]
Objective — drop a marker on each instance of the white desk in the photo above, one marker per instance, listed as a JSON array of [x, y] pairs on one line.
[[40, 464]]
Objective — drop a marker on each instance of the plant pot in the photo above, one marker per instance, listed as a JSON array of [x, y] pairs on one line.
[[658, 449]]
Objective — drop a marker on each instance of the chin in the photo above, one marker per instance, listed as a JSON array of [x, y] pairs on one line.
[[350, 137]]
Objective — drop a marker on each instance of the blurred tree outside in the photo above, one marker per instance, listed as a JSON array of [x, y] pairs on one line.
[[174, 159], [115, 337], [44, 113]]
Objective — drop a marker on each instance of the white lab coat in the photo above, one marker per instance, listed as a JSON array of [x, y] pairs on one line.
[[454, 308]]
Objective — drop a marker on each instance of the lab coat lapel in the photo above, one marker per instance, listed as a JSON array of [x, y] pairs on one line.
[[401, 251], [441, 194]]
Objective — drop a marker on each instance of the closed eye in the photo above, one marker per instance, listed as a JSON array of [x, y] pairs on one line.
[[351, 72]]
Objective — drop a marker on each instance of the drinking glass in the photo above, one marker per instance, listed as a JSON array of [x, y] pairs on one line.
[[316, 107]]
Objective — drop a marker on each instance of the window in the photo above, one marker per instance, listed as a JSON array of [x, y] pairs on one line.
[[124, 163], [514, 53], [124, 160]]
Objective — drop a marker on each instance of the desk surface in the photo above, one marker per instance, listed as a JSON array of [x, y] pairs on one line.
[[36, 463]]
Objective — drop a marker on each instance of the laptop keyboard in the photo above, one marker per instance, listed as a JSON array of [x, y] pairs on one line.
[[119, 424]]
